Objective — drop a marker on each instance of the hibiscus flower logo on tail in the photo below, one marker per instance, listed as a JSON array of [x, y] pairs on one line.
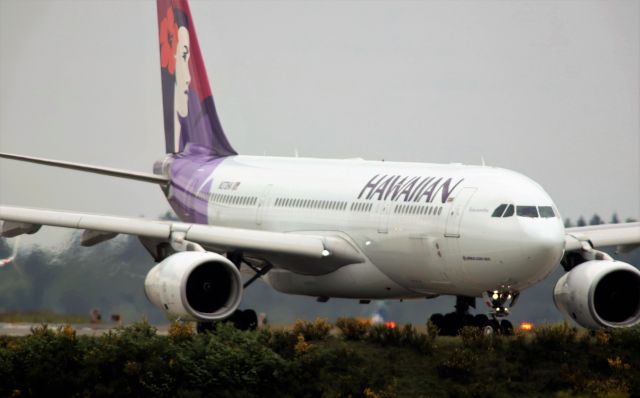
[[168, 41]]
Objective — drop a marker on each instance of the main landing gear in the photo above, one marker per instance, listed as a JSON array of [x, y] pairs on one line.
[[498, 300], [241, 319]]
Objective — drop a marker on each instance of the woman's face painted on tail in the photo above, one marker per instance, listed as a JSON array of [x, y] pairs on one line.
[[183, 76]]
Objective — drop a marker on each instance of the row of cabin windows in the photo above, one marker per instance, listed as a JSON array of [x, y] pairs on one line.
[[322, 204], [311, 204], [233, 199], [361, 206], [418, 209]]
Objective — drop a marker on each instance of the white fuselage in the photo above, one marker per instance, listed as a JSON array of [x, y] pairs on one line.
[[419, 234]]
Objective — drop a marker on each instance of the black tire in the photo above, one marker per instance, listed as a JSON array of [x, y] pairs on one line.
[[480, 320], [468, 320], [452, 323], [239, 320], [250, 319], [506, 328], [491, 327]]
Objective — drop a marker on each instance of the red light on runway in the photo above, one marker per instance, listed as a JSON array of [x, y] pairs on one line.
[[526, 326]]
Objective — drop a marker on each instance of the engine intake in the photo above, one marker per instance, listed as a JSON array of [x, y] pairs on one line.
[[600, 293], [200, 286]]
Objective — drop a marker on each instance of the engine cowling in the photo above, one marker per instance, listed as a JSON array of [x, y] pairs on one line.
[[600, 293], [199, 286]]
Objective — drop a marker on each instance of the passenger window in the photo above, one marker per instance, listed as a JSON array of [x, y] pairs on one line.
[[509, 211], [546, 211], [527, 211], [499, 210]]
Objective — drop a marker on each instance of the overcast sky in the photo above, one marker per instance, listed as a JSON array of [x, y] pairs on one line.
[[549, 89]]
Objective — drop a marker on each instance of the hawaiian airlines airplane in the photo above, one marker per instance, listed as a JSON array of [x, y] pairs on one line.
[[341, 228]]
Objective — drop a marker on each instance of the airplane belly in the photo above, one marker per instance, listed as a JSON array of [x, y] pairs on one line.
[[363, 281], [415, 261]]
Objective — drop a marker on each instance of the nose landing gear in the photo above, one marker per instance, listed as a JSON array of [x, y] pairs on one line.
[[500, 300]]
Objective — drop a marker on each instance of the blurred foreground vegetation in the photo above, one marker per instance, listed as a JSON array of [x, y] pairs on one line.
[[319, 359]]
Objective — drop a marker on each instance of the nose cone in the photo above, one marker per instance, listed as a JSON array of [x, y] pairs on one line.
[[542, 247], [518, 252]]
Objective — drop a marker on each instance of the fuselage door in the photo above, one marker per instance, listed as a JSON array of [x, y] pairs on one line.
[[456, 210], [384, 209], [263, 200]]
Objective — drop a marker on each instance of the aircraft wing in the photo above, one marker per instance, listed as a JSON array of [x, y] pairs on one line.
[[626, 236], [300, 252]]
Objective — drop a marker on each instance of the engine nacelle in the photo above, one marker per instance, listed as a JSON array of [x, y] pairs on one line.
[[199, 286], [600, 293]]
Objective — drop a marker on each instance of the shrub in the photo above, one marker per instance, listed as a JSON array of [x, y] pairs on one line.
[[625, 340], [474, 337], [181, 331], [554, 337], [46, 362], [432, 330], [332, 369], [282, 342], [460, 364], [405, 336], [384, 335], [353, 328], [317, 330], [230, 363]]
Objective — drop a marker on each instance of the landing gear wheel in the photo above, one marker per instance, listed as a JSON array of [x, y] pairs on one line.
[[506, 328], [251, 319], [480, 320], [244, 320], [452, 324], [491, 327]]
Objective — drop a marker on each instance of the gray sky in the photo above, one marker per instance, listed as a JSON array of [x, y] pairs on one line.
[[549, 89]]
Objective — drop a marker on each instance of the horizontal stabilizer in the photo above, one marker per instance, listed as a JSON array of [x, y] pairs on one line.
[[131, 175]]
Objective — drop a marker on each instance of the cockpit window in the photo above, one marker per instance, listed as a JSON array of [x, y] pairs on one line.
[[546, 211], [508, 212], [527, 211], [499, 210]]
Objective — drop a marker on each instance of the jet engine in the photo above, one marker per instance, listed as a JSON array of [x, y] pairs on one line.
[[600, 293], [198, 286]]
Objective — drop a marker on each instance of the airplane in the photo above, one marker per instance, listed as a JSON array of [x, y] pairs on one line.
[[350, 228]]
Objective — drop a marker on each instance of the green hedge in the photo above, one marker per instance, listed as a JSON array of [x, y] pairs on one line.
[[314, 359]]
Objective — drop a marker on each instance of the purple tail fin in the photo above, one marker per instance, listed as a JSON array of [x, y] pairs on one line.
[[190, 115]]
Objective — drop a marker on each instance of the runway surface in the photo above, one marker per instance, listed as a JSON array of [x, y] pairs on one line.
[[98, 329]]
